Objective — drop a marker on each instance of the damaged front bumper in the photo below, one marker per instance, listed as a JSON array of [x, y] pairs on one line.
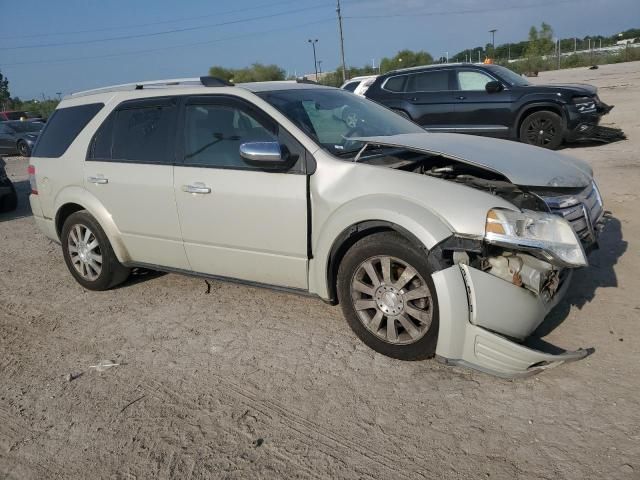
[[584, 126], [481, 315]]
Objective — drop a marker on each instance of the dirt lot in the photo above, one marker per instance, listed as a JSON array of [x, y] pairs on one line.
[[227, 381]]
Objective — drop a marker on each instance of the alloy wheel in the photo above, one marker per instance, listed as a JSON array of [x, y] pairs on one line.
[[392, 300], [541, 131], [85, 252]]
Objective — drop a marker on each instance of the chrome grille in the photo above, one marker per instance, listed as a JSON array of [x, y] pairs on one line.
[[583, 211]]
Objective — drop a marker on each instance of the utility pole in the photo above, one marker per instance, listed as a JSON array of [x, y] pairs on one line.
[[558, 54], [493, 41], [509, 52], [344, 66], [479, 51], [315, 63], [575, 44], [320, 66]]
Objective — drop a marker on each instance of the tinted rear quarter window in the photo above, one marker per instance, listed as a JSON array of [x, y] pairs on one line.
[[62, 129], [395, 84], [351, 86], [436, 81]]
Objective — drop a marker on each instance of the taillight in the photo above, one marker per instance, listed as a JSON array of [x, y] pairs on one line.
[[32, 179]]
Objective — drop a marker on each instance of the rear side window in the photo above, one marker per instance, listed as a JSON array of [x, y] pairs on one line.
[[436, 81], [395, 84], [351, 86], [62, 129], [137, 132]]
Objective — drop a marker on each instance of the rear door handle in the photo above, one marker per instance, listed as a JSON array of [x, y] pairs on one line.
[[99, 179], [197, 187], [461, 97]]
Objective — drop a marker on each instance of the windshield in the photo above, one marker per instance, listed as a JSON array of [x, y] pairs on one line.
[[25, 127], [511, 77], [333, 118]]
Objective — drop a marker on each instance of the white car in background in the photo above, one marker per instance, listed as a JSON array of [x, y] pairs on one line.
[[359, 85]]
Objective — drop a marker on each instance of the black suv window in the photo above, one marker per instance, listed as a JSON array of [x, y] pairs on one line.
[[435, 81], [395, 84], [472, 80], [140, 131], [62, 129], [214, 129]]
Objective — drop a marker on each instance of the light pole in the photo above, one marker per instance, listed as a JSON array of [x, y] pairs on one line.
[[315, 63], [320, 67], [493, 40], [344, 65]]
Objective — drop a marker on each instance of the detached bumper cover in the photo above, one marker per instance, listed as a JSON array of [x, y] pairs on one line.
[[585, 126], [477, 309]]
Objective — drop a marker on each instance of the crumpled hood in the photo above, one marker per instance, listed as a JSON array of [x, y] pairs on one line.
[[572, 88], [522, 164]]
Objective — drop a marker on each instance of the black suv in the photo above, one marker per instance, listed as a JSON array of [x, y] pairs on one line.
[[490, 100]]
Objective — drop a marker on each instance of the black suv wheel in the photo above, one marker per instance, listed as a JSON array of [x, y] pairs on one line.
[[543, 129]]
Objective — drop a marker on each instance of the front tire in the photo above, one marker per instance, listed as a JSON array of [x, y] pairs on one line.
[[88, 253], [388, 297], [543, 129]]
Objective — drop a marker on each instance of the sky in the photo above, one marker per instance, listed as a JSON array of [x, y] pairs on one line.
[[49, 47]]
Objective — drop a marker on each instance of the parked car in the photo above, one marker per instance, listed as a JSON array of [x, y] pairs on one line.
[[20, 115], [18, 137], [490, 100], [432, 243], [359, 85], [8, 195]]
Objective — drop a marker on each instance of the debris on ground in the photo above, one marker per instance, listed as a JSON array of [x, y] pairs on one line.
[[104, 365]]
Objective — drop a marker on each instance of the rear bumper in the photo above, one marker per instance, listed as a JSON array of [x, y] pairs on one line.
[[479, 313]]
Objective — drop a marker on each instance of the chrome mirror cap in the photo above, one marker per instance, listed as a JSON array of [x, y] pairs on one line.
[[261, 152]]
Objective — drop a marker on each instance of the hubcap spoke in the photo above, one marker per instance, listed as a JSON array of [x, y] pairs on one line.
[[386, 270], [421, 315], [361, 287], [392, 332], [409, 326], [407, 275], [371, 271], [416, 293], [376, 321], [364, 304]]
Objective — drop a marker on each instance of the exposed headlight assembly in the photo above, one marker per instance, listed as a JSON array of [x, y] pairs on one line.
[[547, 235], [584, 104]]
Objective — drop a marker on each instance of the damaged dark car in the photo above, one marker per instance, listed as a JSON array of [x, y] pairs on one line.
[[491, 100]]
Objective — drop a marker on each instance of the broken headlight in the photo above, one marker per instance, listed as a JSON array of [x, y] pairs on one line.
[[584, 104], [547, 235]]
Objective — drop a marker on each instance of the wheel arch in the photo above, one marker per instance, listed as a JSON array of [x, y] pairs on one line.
[[74, 199]]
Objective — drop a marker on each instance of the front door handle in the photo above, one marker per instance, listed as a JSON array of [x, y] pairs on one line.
[[99, 179], [197, 187], [461, 97]]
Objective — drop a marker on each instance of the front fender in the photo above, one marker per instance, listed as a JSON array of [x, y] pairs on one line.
[[423, 224], [80, 196]]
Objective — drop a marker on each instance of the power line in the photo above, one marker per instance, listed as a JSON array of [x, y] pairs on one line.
[[142, 25], [165, 32], [462, 12], [151, 50]]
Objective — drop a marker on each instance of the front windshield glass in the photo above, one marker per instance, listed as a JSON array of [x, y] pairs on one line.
[[24, 127], [509, 76], [334, 118]]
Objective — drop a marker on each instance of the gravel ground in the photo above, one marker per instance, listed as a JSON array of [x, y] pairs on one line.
[[225, 381]]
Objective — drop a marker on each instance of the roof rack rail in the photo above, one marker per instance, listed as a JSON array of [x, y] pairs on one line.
[[174, 82]]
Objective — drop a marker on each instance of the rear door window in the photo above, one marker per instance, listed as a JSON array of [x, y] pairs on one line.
[[140, 131], [434, 81], [62, 129]]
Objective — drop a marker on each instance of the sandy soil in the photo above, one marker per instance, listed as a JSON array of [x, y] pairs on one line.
[[227, 381]]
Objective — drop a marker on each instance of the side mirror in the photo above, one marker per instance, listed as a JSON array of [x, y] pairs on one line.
[[494, 87], [263, 154]]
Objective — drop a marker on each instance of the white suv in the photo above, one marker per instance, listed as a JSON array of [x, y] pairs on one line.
[[432, 243]]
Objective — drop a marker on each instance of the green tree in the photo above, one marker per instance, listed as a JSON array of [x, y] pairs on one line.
[[5, 95], [255, 73], [404, 59]]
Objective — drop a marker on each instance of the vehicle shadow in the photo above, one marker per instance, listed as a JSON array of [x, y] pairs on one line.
[[599, 274], [24, 208]]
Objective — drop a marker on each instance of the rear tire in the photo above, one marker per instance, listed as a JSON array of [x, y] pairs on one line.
[[88, 253], [395, 313], [542, 129], [23, 149]]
